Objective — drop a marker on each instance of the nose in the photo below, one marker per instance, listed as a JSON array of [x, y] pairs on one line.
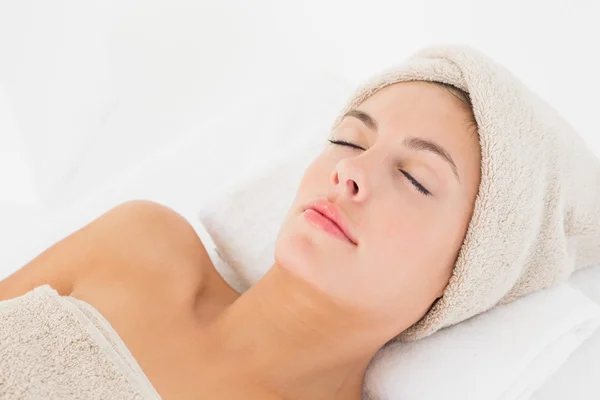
[[351, 179]]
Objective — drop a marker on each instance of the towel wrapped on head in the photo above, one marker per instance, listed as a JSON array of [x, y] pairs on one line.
[[536, 217]]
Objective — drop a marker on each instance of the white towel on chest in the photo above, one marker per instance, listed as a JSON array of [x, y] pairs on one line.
[[55, 347]]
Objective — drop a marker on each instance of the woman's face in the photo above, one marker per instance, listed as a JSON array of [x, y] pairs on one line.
[[407, 206]]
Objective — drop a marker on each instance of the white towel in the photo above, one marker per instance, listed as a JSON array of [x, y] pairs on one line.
[[504, 354], [577, 378], [59, 347]]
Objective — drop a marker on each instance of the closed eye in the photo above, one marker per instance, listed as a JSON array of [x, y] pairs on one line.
[[344, 143], [412, 180], [416, 183]]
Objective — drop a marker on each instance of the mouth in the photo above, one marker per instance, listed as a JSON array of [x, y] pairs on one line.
[[326, 216]]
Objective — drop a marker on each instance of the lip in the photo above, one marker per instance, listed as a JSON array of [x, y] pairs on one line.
[[328, 211]]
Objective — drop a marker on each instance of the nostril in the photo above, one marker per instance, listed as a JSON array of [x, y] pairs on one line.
[[335, 178], [353, 186]]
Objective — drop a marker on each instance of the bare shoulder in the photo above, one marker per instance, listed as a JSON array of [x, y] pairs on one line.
[[145, 230], [137, 243], [149, 245]]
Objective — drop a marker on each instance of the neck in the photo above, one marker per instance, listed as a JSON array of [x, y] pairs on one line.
[[297, 341]]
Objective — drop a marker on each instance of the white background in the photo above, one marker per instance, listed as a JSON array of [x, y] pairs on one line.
[[82, 81], [89, 89]]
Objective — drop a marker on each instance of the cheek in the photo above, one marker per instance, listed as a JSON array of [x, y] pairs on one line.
[[409, 249], [425, 235], [401, 231]]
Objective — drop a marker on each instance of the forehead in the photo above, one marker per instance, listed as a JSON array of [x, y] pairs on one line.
[[422, 109], [420, 104], [426, 110]]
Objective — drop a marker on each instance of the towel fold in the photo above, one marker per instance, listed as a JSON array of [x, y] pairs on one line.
[[59, 347]]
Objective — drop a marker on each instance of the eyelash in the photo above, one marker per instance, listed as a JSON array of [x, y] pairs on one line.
[[415, 183]]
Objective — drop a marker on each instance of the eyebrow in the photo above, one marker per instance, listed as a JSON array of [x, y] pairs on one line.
[[411, 142]]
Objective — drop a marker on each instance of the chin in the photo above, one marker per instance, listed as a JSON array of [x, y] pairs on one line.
[[297, 252]]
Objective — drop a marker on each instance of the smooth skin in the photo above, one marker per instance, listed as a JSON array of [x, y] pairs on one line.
[[309, 328]]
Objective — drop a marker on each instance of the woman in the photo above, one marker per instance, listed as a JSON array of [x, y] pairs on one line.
[[369, 245]]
